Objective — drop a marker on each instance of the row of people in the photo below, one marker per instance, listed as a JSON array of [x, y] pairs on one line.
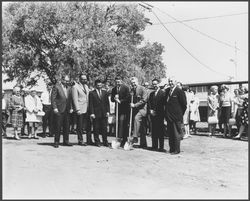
[[92, 108], [227, 110]]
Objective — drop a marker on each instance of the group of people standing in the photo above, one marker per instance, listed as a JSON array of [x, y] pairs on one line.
[[173, 109], [227, 110], [92, 109]]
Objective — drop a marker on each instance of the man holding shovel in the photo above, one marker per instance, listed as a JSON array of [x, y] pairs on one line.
[[120, 94], [139, 112]]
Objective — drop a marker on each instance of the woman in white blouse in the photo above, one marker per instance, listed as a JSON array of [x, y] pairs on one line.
[[34, 107]]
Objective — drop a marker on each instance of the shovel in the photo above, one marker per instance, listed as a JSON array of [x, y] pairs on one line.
[[128, 145], [115, 144]]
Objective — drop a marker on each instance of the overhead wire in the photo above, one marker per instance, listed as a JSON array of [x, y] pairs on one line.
[[202, 18], [194, 57], [200, 32]]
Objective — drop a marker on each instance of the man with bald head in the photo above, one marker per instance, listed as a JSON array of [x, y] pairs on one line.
[[139, 106], [175, 106]]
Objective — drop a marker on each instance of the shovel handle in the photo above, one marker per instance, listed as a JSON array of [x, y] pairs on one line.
[[130, 119], [116, 120]]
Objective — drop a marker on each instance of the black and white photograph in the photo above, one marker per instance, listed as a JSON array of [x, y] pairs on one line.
[[125, 100]]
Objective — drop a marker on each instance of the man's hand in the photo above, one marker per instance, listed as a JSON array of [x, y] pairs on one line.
[[56, 111], [107, 114], [132, 105], [92, 116], [117, 98], [152, 112], [78, 112]]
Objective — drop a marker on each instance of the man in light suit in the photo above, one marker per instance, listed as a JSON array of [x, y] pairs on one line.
[[99, 110], [139, 106], [120, 94], [80, 95], [156, 111], [175, 107], [61, 104]]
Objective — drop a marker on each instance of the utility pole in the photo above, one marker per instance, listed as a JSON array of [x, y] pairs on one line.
[[235, 61]]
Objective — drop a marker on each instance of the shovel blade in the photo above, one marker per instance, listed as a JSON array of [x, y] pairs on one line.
[[127, 146], [115, 144]]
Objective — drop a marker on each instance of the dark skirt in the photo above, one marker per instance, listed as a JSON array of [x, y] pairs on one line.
[[225, 114], [244, 114], [17, 119]]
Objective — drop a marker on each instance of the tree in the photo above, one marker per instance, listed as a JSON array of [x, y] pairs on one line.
[[58, 37]]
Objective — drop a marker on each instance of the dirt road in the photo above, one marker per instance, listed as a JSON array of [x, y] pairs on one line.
[[206, 168]]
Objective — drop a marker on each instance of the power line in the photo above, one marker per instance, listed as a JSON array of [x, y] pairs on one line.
[[202, 33], [203, 18], [206, 66]]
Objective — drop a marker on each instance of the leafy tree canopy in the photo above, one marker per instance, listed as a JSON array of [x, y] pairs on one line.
[[103, 41]]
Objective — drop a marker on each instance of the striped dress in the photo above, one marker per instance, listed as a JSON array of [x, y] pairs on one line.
[[17, 116]]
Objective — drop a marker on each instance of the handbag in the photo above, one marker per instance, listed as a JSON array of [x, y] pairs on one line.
[[40, 113], [212, 120], [232, 121], [111, 119]]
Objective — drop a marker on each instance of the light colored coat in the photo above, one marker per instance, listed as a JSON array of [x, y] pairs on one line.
[[30, 105], [80, 97]]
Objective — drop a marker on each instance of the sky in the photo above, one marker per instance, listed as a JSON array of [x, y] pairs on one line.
[[218, 60], [214, 55]]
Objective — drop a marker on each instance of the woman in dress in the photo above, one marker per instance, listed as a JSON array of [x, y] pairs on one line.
[[16, 106], [244, 116], [226, 108], [236, 110], [186, 115], [33, 107], [194, 112], [5, 115], [213, 106]]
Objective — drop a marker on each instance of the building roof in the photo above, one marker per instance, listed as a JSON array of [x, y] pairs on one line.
[[215, 83]]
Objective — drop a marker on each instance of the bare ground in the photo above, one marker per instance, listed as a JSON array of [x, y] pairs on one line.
[[207, 168]]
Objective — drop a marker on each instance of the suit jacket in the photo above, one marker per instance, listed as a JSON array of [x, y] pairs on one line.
[[99, 106], [140, 100], [80, 98], [124, 97], [156, 103], [176, 105], [59, 100]]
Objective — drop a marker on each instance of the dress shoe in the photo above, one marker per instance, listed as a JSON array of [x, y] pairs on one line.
[[174, 153], [162, 150], [97, 144], [135, 140], [91, 143], [67, 144], [56, 145], [82, 144], [106, 144]]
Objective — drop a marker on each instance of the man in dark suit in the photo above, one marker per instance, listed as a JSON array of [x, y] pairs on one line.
[[120, 94], [61, 104], [175, 106], [156, 111], [99, 110], [139, 106]]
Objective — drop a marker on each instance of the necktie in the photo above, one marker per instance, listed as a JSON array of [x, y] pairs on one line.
[[100, 93], [170, 92]]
